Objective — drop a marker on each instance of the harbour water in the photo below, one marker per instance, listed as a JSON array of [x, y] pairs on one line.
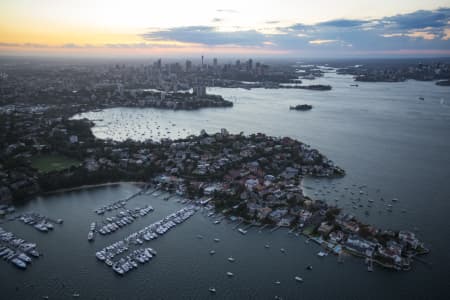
[[380, 133]]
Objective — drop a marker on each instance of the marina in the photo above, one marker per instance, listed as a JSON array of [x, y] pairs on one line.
[[38, 221], [336, 126], [15, 250], [123, 218], [148, 233]]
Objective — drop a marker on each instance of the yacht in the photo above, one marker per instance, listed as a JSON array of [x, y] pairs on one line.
[[298, 278], [41, 227], [24, 257], [100, 256], [231, 259], [212, 290], [19, 263], [229, 274], [109, 262]]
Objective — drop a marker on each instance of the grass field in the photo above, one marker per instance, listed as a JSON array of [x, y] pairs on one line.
[[309, 230], [49, 163]]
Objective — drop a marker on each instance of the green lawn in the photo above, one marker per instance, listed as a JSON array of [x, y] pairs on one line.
[[49, 163], [309, 230]]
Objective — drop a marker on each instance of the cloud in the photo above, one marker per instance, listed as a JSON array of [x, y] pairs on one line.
[[426, 31], [421, 30], [320, 42], [298, 26], [98, 46], [413, 34], [4, 44], [389, 35], [422, 34], [207, 35], [23, 45], [76, 46], [342, 23], [446, 36], [420, 19], [228, 11]]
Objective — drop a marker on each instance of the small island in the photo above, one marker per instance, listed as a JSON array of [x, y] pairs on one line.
[[302, 107]]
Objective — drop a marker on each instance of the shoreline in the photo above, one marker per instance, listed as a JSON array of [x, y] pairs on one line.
[[90, 186]]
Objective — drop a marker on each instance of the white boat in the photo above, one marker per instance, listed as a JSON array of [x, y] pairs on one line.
[[41, 227], [212, 252], [322, 254], [242, 231], [212, 290], [24, 257], [229, 274], [298, 278], [20, 264], [231, 259], [100, 256]]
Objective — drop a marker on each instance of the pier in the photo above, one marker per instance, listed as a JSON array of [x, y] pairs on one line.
[[148, 233]]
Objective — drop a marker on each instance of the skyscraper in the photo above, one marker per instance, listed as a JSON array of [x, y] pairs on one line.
[[188, 65]]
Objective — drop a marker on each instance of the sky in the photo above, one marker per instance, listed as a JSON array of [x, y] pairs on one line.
[[294, 28]]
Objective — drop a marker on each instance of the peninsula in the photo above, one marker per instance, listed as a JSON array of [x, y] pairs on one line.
[[256, 178]]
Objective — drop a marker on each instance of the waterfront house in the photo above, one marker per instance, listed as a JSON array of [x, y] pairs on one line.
[[325, 228]]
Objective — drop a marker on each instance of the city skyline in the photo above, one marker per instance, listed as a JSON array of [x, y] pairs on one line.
[[288, 28]]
